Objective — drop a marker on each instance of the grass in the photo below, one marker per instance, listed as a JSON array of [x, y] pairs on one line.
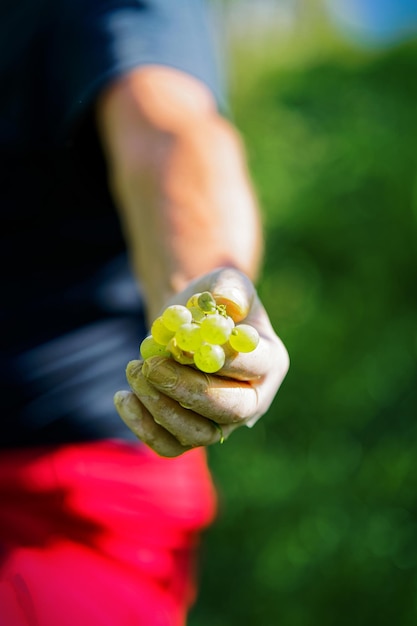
[[317, 522]]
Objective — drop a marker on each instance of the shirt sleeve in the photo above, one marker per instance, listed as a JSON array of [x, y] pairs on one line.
[[94, 41]]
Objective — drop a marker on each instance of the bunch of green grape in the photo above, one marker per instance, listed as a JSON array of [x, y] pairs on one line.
[[198, 334]]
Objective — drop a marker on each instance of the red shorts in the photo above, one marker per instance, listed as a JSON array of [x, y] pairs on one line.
[[100, 533]]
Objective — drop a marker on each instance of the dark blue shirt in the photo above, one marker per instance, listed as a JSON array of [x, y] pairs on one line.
[[71, 312]]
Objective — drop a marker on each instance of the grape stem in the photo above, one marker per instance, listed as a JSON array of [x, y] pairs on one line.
[[220, 429]]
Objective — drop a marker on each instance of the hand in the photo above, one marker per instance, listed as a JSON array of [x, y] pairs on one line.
[[173, 408]]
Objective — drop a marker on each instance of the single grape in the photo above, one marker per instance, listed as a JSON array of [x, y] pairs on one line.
[[244, 338], [197, 314], [206, 302], [188, 337], [149, 347], [160, 332], [216, 329], [209, 358], [175, 315], [193, 301]]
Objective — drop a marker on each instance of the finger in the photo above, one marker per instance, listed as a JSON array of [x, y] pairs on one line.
[[233, 289], [140, 422], [189, 428], [220, 399]]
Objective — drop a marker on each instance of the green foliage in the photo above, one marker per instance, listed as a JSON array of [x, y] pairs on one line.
[[317, 522]]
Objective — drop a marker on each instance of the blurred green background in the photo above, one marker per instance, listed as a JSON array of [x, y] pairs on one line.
[[317, 522]]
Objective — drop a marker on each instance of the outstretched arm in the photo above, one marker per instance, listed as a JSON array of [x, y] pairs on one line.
[[178, 174]]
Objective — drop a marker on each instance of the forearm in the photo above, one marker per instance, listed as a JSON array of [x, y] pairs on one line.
[[179, 179]]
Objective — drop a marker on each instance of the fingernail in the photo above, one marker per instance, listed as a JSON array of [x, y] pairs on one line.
[[133, 368], [161, 373], [120, 397], [138, 383], [235, 300]]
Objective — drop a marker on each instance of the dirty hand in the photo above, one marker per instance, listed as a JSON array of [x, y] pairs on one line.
[[173, 408]]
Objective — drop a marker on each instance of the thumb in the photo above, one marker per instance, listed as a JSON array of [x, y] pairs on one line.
[[233, 289], [228, 285]]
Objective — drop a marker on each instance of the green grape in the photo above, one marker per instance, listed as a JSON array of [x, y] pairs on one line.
[[216, 329], [209, 358], [195, 333], [193, 301], [160, 332], [149, 347], [188, 337], [175, 315], [244, 338], [197, 314], [206, 302]]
